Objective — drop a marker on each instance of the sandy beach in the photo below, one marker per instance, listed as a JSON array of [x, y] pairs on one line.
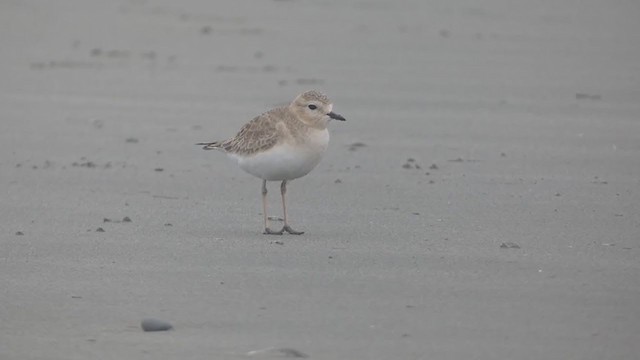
[[482, 200]]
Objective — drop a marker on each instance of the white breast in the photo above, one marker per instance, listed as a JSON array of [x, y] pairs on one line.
[[287, 161]]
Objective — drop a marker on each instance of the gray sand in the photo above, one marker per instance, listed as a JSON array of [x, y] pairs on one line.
[[528, 110]]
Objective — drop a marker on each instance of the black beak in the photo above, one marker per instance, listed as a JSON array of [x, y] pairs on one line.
[[336, 116]]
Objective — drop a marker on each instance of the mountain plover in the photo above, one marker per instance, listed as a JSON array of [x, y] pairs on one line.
[[281, 145]]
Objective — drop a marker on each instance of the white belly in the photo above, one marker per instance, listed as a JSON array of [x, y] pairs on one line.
[[286, 161]]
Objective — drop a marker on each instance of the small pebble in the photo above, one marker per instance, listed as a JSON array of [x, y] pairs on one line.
[[584, 96], [99, 229], [19, 233], [356, 145], [278, 352], [337, 181], [509, 245], [155, 325], [433, 167], [126, 219]]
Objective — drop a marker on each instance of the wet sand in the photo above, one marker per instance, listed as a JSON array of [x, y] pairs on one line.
[[482, 200]]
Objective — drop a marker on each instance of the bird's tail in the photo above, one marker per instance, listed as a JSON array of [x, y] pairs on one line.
[[216, 145]]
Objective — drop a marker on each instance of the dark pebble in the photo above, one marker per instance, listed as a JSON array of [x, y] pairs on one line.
[[433, 167], [356, 145], [126, 219], [19, 233], [509, 245], [99, 229], [155, 325]]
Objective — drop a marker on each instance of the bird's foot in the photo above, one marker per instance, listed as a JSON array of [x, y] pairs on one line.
[[288, 229], [268, 231]]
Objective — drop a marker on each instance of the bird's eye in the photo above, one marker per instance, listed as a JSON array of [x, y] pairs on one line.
[[312, 107]]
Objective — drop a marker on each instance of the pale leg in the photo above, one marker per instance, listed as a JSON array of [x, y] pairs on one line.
[[286, 227], [267, 231]]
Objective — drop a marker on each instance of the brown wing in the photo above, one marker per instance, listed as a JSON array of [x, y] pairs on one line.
[[259, 134]]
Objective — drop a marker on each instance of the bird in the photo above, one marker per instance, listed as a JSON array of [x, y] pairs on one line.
[[282, 144]]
